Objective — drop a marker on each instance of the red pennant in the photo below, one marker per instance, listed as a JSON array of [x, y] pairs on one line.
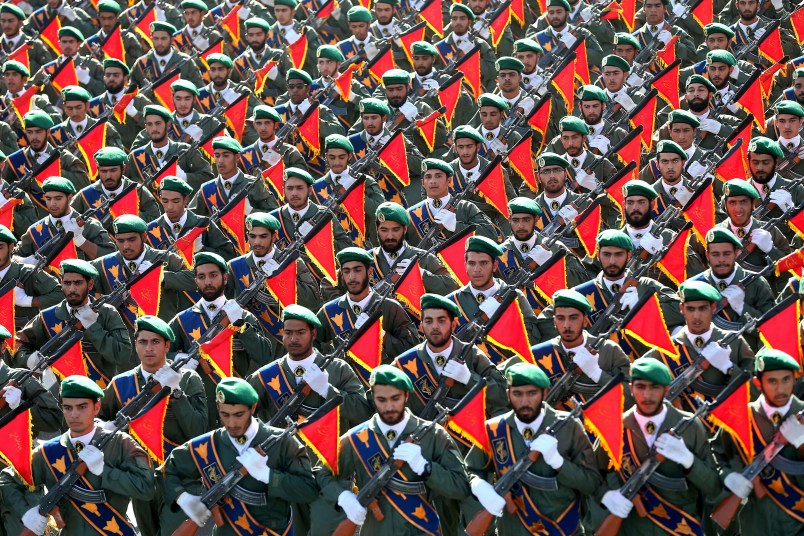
[[427, 128], [148, 430], [431, 14], [628, 13], [408, 37], [143, 27], [261, 77], [71, 363], [218, 351], [309, 131], [366, 350], [236, 116], [283, 285], [22, 104], [147, 292], [122, 104], [703, 13], [615, 190], [498, 26], [509, 332], [411, 289], [470, 67], [492, 188], [587, 229], [646, 117], [751, 101], [518, 11], [65, 76], [323, 437], [674, 263], [734, 166], [779, 329], [321, 250], [552, 279], [797, 22], [468, 425], [564, 83], [742, 135], [68, 252], [667, 85], [185, 245], [230, 23], [613, 11], [164, 95], [7, 215], [17, 446], [448, 97], [452, 257], [381, 64], [734, 416], [234, 222], [355, 207], [114, 47], [326, 9], [796, 223], [126, 204], [602, 416], [7, 303], [21, 55], [766, 79], [701, 212], [90, 143], [275, 178], [770, 47], [344, 81], [50, 36], [540, 120], [667, 55], [647, 325], [582, 64], [394, 157], [520, 158], [298, 51]]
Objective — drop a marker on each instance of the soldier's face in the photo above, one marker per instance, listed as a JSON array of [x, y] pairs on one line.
[[738, 209], [683, 134], [436, 183], [151, 349], [697, 315], [670, 166], [156, 127], [437, 326], [107, 21], [490, 117], [37, 137], [5, 254], [798, 89], [654, 11], [573, 142], [76, 288], [788, 125], [355, 277], [69, 45], [226, 162], [58, 203], [423, 63], [648, 397], [613, 261], [761, 166], [478, 6], [526, 401], [613, 78], [80, 414], [390, 403], [283, 14], [697, 97], [397, 94], [569, 322], [626, 52], [777, 386], [391, 235], [10, 24], [459, 22], [114, 80], [162, 42], [110, 176], [129, 244], [384, 13], [219, 74], [359, 30], [508, 80], [327, 67], [211, 281], [296, 193], [522, 226], [557, 16], [747, 9], [256, 38], [75, 110], [529, 58], [337, 160], [722, 259], [467, 150], [297, 338], [174, 204], [192, 17], [373, 123], [297, 91], [480, 269], [261, 240], [717, 41], [14, 81], [183, 102], [552, 179], [637, 211], [265, 128], [236, 418], [718, 74], [592, 111]]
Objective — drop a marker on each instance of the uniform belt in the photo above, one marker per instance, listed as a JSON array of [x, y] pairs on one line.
[[248, 497], [787, 466], [92, 496], [408, 488], [540, 482], [668, 483], [728, 325], [706, 388]]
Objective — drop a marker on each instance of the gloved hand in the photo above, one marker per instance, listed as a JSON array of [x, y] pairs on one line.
[[256, 464], [664, 36], [535, 81], [167, 377], [616, 503], [291, 35], [144, 265], [447, 219], [78, 231], [539, 254], [567, 213], [361, 319], [194, 131], [317, 379], [466, 45], [93, 457], [674, 449], [12, 395], [497, 146], [411, 453], [401, 265], [489, 306], [601, 143], [194, 508], [25, 7], [131, 110], [86, 315], [586, 14], [718, 357], [371, 50], [625, 101], [586, 180], [273, 73], [696, 169], [233, 311], [430, 83], [106, 425], [67, 12], [488, 498], [33, 359], [634, 80], [651, 244], [304, 106], [735, 72], [739, 485], [409, 110], [305, 228], [230, 95], [777, 4], [793, 431], [732, 107], [458, 371], [762, 239], [587, 362], [244, 12], [31, 259], [736, 298], [548, 446], [710, 125], [683, 195], [568, 39], [782, 199], [21, 299], [192, 364], [355, 512], [180, 174], [34, 521], [630, 298], [678, 10], [82, 74]]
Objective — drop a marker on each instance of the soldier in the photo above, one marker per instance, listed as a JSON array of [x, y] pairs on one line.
[[273, 477], [560, 31], [346, 110], [492, 112], [194, 36], [137, 12], [12, 20], [361, 41], [115, 80], [108, 12], [657, 28], [286, 31], [614, 76], [461, 40], [528, 51], [509, 85], [115, 475], [163, 58], [787, 121], [764, 156], [105, 347], [185, 413], [88, 70], [750, 27], [267, 151], [256, 56], [551, 491], [681, 127], [15, 78], [24, 213], [222, 91], [671, 185], [717, 37], [698, 98], [603, 133], [74, 102]]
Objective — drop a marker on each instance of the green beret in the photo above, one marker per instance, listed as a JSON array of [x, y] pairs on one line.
[[739, 187], [235, 391], [768, 360], [669, 146], [799, 73], [262, 219], [358, 14], [156, 325], [481, 244], [223, 59], [524, 205], [175, 184], [551, 159], [389, 2], [69, 31], [75, 93], [390, 211], [722, 235], [591, 93], [7, 236], [397, 76], [721, 56], [616, 61], [692, 290], [108, 6], [683, 116], [298, 74], [437, 164], [490, 99], [763, 145], [298, 312], [80, 387], [161, 26], [78, 266], [155, 109], [625, 38], [2, 156], [58, 184], [573, 124], [227, 143], [639, 188], [615, 238], [465, 131], [463, 9], [521, 374], [4, 333], [789, 107], [329, 52], [114, 62], [257, 22], [527, 45], [717, 28], [194, 4], [184, 85], [338, 141], [374, 106], [507, 63], [567, 297], [700, 79], [14, 65], [299, 174], [10, 8], [37, 119], [288, 3], [265, 112], [435, 301], [129, 223], [391, 375], [110, 156], [559, 3], [423, 48], [354, 254], [205, 257], [652, 370]]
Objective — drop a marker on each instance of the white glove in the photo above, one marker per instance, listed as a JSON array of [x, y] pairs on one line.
[[304, 106], [539, 254], [601, 143], [586, 14], [586, 180], [131, 110], [86, 315], [233, 311], [732, 107], [3, 200], [535, 81], [683, 195], [355, 512], [305, 228], [493, 502], [361, 319], [735, 72], [718, 357], [630, 298], [180, 174], [777, 4], [371, 50], [82, 75], [317, 379], [674, 449], [273, 73], [144, 265], [489, 306], [568, 39], [617, 504], [190, 365], [78, 232], [401, 266], [625, 101], [457, 371], [710, 125], [736, 298], [739, 485], [411, 453], [31, 259], [664, 36], [567, 213], [800, 151], [195, 132], [34, 521], [409, 110], [194, 508], [93, 457], [678, 10], [33, 359], [243, 13], [651, 244], [13, 396], [430, 83], [497, 146], [448, 219], [793, 431], [587, 363], [25, 7], [466, 46], [107, 425], [336, 13], [548, 446], [291, 36], [634, 80], [256, 464], [696, 169], [762, 239], [21, 299], [67, 12], [230, 95], [782, 199], [167, 377]]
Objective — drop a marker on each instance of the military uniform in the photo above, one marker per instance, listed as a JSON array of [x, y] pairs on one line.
[[435, 276], [161, 232], [148, 67], [258, 156], [328, 185], [177, 129], [45, 414], [422, 218], [40, 285], [44, 229], [127, 127], [328, 124], [94, 45], [147, 160], [96, 194]]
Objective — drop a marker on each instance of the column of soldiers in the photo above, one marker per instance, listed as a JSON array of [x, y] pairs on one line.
[[168, 171]]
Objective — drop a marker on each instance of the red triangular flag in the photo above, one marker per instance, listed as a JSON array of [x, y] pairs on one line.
[[71, 363], [647, 325], [275, 178], [230, 23], [309, 130], [16, 449], [49, 35], [509, 332], [703, 13], [381, 64], [468, 425], [518, 11], [700, 210], [520, 158], [492, 188], [448, 97], [395, 158], [143, 27], [282, 286], [234, 222], [770, 46], [122, 104], [236, 115], [667, 55], [645, 115], [797, 22], [7, 303], [674, 262], [498, 25], [323, 437], [22, 104], [778, 328], [751, 101], [344, 81], [185, 245], [147, 292], [21, 55], [431, 14], [628, 13], [321, 250], [7, 215], [90, 142], [218, 351], [298, 51], [148, 430], [539, 120], [366, 349], [587, 228], [733, 166], [163, 93], [427, 128], [767, 78], [261, 77], [410, 36], [552, 279], [355, 207], [582, 64], [666, 83], [734, 416], [564, 83], [602, 416], [65, 76], [114, 47], [469, 65], [452, 256], [410, 289], [126, 204]]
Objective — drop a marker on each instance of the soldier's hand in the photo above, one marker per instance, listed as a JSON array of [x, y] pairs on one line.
[[710, 125], [601, 143], [430, 83], [93, 457], [651, 244], [492, 501], [21, 298], [567, 213], [696, 169], [489, 306], [256, 464], [67, 12], [194, 508], [34, 521], [763, 239], [401, 266], [448, 219], [539, 254], [409, 110], [617, 503], [718, 356], [411, 453], [34, 359], [678, 9], [167, 377], [673, 448], [568, 39], [457, 371], [586, 14], [739, 485], [587, 362], [195, 132], [777, 4], [586, 180], [131, 110], [625, 101], [78, 231], [361, 319], [86, 315], [317, 379], [233, 311], [244, 12], [782, 199], [355, 511], [664, 36], [82, 74], [634, 80], [736, 298], [13, 396], [630, 298], [683, 195], [793, 431], [192, 364], [548, 446]]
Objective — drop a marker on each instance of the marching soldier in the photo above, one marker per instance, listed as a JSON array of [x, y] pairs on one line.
[[330, 59], [256, 56], [493, 110], [287, 31], [108, 13], [15, 78], [561, 32], [194, 36], [221, 90], [88, 70], [268, 150], [764, 155], [616, 72], [657, 28], [187, 123], [460, 40], [74, 103], [164, 58], [13, 19], [671, 184]]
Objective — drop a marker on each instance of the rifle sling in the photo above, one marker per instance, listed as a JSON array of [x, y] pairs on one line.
[[787, 466], [726, 325]]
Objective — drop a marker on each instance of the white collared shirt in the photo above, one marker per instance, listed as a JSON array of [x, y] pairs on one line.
[[657, 420], [488, 293], [791, 143], [362, 303], [558, 199], [770, 410], [3, 273], [166, 58], [398, 254], [115, 192], [667, 187], [728, 280], [446, 352], [165, 149], [761, 187], [218, 303], [269, 264], [305, 365], [117, 96], [705, 336], [136, 261], [444, 200], [64, 219], [580, 159], [75, 126], [752, 26], [471, 173], [301, 212], [398, 428], [251, 432], [609, 283], [231, 181], [534, 426], [734, 228], [596, 130], [494, 134], [181, 222], [530, 243], [637, 234], [85, 439]]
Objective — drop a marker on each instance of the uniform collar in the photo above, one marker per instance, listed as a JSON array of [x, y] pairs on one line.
[[445, 353], [771, 410], [362, 303], [703, 336], [656, 423], [398, 428], [251, 433], [532, 427], [217, 303], [397, 254], [488, 293]]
